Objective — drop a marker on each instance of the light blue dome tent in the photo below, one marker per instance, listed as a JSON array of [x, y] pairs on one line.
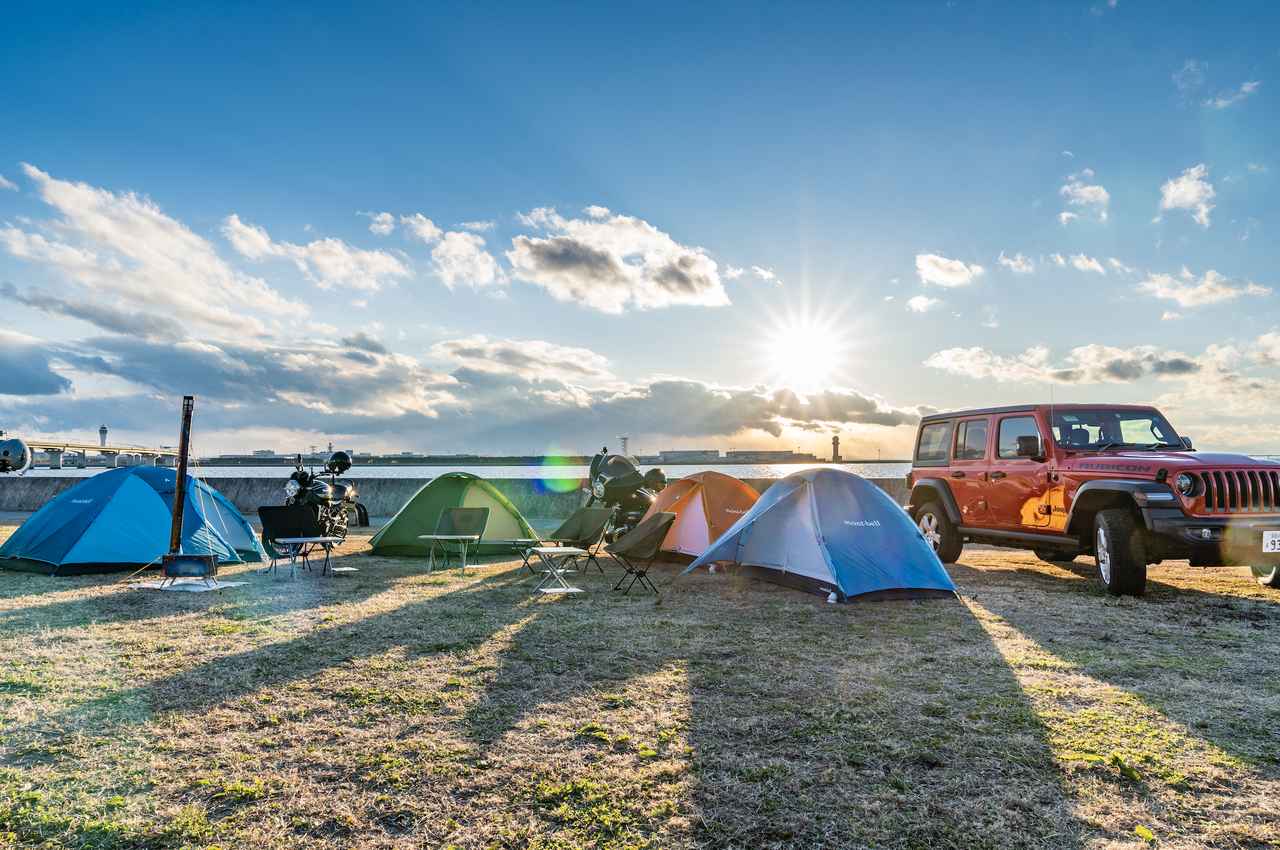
[[120, 519], [832, 532]]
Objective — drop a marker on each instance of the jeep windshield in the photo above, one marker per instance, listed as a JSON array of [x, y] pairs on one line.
[[1102, 429]]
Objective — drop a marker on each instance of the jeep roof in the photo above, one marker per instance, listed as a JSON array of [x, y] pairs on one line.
[[1028, 408]]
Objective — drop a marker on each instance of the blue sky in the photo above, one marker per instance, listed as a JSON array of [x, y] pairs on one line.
[[489, 228]]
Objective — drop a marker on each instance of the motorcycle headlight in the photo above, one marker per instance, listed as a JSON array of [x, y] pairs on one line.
[[291, 488], [1186, 483], [597, 489]]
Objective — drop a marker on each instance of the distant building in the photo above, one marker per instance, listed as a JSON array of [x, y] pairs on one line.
[[688, 455], [764, 456], [264, 453]]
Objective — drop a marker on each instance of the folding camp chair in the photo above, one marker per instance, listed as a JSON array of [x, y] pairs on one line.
[[294, 533], [462, 526], [584, 529], [638, 549]]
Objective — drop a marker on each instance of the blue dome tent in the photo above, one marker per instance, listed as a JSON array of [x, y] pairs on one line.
[[120, 519], [830, 531]]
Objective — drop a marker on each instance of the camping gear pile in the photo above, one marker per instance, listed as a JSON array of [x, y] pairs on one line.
[[120, 520]]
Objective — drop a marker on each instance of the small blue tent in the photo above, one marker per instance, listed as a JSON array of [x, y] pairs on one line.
[[830, 531], [120, 519]]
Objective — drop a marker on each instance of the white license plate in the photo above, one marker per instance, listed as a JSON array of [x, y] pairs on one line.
[[1271, 541]]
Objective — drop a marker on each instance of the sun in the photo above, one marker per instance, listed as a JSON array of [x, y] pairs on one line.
[[804, 354]]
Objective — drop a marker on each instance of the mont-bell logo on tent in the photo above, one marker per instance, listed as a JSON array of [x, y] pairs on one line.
[[862, 523], [82, 501]]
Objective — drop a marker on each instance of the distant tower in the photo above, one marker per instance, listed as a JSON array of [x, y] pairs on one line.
[[102, 436], [624, 439], [835, 449]]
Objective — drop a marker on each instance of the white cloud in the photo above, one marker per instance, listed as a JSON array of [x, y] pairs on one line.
[[1190, 76], [765, 274], [1069, 154], [1224, 99], [1170, 315], [1087, 364], [461, 258], [941, 271], [922, 303], [596, 211], [381, 224], [1120, 266], [1017, 263], [122, 254], [1189, 191], [477, 226], [421, 228], [326, 262], [733, 272], [1080, 193], [1058, 259], [610, 262], [1188, 292], [1257, 168], [534, 360], [1065, 217], [6, 183], [1087, 264]]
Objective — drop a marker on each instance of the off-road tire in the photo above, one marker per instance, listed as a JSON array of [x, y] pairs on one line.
[[939, 532], [1055, 556], [1268, 575], [1121, 552]]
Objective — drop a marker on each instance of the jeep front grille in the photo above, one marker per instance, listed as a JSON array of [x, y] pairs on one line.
[[1231, 491]]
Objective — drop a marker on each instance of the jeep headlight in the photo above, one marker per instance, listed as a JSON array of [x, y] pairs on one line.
[[1185, 483], [291, 488]]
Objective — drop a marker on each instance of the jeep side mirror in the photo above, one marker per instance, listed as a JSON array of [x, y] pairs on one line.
[[1029, 447], [1186, 444]]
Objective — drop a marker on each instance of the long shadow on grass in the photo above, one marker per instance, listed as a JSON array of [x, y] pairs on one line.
[[448, 622], [1205, 660], [266, 596], [886, 724]]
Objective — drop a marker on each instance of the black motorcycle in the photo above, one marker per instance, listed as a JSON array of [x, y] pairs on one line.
[[329, 499], [616, 483]]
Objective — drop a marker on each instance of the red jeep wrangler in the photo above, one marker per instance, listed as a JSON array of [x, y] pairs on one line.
[[1113, 481]]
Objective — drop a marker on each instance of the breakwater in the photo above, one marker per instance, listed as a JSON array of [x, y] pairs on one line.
[[535, 498]]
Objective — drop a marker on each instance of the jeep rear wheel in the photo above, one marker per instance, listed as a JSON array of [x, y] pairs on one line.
[[1121, 552], [1054, 556], [939, 532], [1268, 575]]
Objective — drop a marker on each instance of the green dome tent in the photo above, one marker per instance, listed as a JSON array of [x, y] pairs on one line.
[[453, 490]]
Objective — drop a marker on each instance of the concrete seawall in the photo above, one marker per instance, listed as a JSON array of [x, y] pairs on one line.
[[382, 496]]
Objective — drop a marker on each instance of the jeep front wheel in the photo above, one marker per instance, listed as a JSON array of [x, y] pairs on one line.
[[1120, 552], [1268, 575], [939, 532]]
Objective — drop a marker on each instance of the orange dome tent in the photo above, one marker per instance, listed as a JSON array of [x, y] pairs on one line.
[[706, 504]]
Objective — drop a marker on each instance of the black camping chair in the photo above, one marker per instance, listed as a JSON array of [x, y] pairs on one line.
[[584, 529], [638, 549], [460, 526], [292, 531]]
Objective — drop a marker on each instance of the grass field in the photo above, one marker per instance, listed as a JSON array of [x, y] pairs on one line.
[[388, 708]]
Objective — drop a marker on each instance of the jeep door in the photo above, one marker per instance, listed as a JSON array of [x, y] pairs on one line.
[[970, 459], [1019, 491]]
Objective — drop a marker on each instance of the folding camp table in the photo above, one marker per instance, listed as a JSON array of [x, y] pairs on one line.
[[462, 539], [302, 547], [584, 529], [553, 560]]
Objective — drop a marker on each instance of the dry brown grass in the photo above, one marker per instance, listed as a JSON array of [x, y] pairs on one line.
[[387, 708]]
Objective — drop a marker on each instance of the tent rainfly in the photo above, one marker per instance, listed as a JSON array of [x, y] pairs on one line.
[[120, 519], [835, 533], [421, 514], [706, 505]]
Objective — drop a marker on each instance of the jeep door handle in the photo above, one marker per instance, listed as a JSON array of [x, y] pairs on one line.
[[957, 474], [998, 475]]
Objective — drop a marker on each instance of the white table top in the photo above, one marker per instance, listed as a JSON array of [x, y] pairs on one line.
[[307, 540], [468, 537], [558, 550]]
